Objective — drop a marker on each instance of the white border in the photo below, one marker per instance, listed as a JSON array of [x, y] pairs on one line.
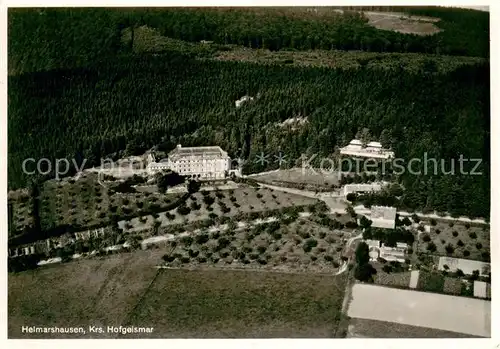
[[272, 343]]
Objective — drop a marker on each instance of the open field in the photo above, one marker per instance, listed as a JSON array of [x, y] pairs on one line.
[[363, 328], [127, 289], [300, 176], [422, 309], [81, 293], [402, 23], [467, 241], [238, 304]]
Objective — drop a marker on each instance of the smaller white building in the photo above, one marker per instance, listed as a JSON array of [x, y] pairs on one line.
[[242, 100], [390, 254], [372, 150], [397, 253], [383, 217], [480, 288], [466, 265]]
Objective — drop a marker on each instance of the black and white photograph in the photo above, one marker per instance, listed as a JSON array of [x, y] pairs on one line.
[[248, 172]]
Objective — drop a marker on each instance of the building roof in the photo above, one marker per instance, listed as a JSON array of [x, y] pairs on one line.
[[356, 142], [383, 212], [352, 188], [209, 151], [383, 217], [374, 145]]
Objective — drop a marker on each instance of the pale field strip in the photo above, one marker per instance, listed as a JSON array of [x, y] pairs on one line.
[[466, 265], [422, 309]]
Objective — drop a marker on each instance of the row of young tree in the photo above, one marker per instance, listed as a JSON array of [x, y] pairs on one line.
[[37, 37]]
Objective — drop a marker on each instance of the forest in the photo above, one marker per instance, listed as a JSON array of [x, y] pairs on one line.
[[103, 100], [51, 38]]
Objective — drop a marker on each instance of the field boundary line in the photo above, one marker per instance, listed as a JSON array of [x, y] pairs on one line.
[[140, 299]]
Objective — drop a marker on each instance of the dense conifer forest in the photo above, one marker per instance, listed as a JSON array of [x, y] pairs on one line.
[[84, 94]]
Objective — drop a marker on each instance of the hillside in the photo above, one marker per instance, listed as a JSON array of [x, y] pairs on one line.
[[118, 89]]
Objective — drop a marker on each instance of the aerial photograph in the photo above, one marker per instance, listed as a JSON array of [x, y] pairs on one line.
[[248, 172]]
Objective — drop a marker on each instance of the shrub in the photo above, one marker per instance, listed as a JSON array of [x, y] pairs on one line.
[[433, 221], [431, 247], [202, 259], [328, 258], [387, 268], [415, 218], [215, 259], [449, 249], [183, 210], [276, 235], [168, 258], [437, 231], [485, 256], [336, 264], [262, 261], [201, 239], [473, 235], [309, 244], [223, 242], [426, 238], [467, 225], [381, 260], [421, 228], [466, 253], [339, 248], [187, 240], [261, 249], [351, 225], [455, 233], [460, 243], [253, 256], [259, 195], [184, 260], [451, 224], [224, 254]]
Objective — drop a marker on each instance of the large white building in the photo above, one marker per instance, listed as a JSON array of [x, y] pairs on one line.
[[195, 162], [372, 150]]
